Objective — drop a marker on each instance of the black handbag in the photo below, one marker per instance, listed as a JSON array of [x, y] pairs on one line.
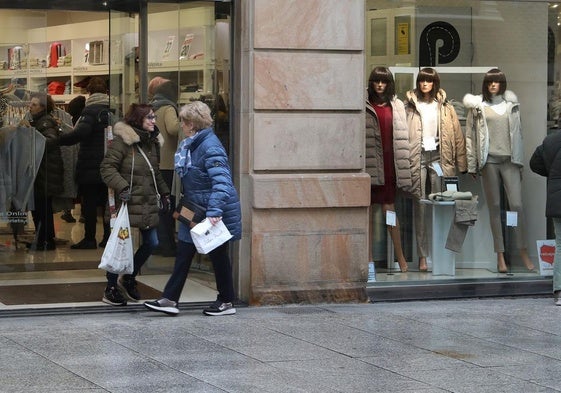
[[190, 213]]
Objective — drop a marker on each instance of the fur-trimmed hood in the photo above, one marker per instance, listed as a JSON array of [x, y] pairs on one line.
[[132, 135], [473, 101], [412, 98]]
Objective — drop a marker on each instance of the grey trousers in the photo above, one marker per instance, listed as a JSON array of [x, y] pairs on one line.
[[492, 175], [419, 209]]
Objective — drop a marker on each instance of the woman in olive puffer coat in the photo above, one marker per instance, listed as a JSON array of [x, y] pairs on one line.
[[136, 134]]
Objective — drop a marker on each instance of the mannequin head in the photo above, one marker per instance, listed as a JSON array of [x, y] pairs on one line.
[[489, 87], [381, 85], [428, 84]]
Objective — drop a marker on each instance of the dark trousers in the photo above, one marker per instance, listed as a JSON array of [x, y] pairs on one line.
[[166, 227], [93, 195], [222, 271], [43, 220], [149, 242]]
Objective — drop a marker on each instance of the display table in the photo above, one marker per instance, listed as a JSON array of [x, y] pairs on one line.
[[441, 214]]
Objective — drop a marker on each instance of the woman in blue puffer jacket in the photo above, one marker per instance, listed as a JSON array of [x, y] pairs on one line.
[[202, 164]]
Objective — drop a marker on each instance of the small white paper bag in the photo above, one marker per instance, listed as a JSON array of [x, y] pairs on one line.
[[207, 237]]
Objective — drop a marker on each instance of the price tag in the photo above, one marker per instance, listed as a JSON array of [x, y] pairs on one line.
[[429, 143], [391, 218], [511, 219], [437, 168]]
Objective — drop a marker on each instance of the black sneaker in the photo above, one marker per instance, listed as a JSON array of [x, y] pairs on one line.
[[128, 285], [114, 297], [67, 216], [220, 308], [84, 245], [163, 305]]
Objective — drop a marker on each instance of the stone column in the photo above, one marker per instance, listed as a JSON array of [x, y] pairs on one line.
[[301, 136]]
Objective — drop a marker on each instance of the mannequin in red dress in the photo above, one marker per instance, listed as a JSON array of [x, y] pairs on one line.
[[386, 134]]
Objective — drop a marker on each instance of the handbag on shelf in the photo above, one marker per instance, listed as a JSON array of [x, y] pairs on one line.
[[118, 256]]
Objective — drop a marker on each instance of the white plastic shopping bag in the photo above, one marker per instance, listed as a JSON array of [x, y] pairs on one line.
[[207, 237], [118, 254]]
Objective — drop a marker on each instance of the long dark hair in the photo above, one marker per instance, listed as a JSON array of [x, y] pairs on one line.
[[136, 113], [493, 75], [381, 74], [429, 75]]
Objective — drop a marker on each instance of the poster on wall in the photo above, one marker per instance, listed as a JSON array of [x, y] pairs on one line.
[[546, 253]]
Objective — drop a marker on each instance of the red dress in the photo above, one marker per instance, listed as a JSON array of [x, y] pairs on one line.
[[386, 192]]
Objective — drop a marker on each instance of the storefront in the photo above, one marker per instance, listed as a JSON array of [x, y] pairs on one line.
[[289, 79]]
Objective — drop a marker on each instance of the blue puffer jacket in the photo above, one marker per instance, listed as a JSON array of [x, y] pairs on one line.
[[208, 182]]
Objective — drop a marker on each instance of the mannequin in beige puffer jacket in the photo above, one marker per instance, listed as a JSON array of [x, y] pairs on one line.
[[387, 150], [442, 145]]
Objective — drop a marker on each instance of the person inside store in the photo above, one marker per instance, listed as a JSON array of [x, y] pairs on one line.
[[75, 108], [164, 104], [202, 164], [89, 132], [387, 151], [437, 147], [546, 161], [496, 152], [130, 167], [49, 180]]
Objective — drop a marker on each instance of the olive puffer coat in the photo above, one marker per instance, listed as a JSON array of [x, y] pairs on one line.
[[116, 172], [546, 161], [49, 179], [374, 149], [477, 133], [451, 139], [208, 182]]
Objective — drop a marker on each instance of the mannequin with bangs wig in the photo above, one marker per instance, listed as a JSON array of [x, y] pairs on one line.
[[429, 75], [381, 74], [136, 113], [493, 75]]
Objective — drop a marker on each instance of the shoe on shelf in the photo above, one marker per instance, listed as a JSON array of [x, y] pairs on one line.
[[82, 219], [67, 216], [163, 305], [103, 243], [84, 244], [114, 297], [220, 308], [128, 285]]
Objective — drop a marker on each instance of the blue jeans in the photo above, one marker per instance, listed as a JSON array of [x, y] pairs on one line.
[[557, 260], [149, 243], [220, 263]]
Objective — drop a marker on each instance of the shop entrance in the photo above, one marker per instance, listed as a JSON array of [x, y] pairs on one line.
[[58, 50]]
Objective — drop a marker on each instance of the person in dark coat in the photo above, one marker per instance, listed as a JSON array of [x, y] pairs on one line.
[[89, 132], [546, 161], [48, 182], [202, 164], [130, 167]]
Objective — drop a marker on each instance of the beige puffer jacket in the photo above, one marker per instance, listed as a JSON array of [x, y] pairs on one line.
[[477, 133], [451, 140], [116, 173], [374, 151]]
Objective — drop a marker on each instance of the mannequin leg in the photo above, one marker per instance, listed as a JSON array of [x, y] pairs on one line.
[[501, 264], [396, 239], [513, 189]]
